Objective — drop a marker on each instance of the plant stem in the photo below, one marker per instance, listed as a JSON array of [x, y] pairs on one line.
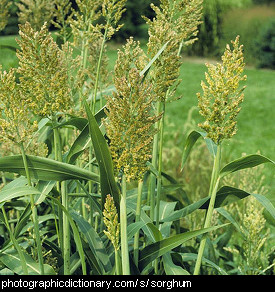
[[152, 188], [212, 192], [34, 214], [123, 230], [138, 210], [160, 165], [117, 262], [15, 243], [64, 201]]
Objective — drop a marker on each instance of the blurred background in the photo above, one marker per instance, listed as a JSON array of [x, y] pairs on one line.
[[253, 20]]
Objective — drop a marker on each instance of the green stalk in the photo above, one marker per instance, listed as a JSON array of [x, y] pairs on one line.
[[212, 192], [160, 165], [138, 210], [117, 262], [152, 188], [64, 226], [159, 146], [123, 230], [15, 243], [34, 214]]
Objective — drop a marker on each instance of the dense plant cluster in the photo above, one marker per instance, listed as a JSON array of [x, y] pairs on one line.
[[84, 190]]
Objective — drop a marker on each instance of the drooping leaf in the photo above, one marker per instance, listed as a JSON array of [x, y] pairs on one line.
[[226, 195], [45, 169], [229, 217], [107, 179], [77, 122], [266, 203], [191, 140], [248, 161]]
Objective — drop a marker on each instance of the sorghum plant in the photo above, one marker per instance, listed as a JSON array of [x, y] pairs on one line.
[[130, 124], [175, 24], [222, 97]]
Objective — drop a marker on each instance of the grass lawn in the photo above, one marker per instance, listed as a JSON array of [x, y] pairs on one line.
[[256, 121]]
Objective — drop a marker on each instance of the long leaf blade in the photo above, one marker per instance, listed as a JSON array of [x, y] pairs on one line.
[[157, 249], [104, 159], [190, 142], [248, 161], [45, 169]]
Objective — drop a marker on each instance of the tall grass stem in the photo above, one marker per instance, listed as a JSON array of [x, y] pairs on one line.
[[212, 191], [15, 243], [64, 201], [123, 230], [138, 211], [34, 214]]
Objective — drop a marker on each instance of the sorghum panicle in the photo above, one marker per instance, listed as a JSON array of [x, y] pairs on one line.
[[112, 11], [110, 218], [175, 22], [15, 119], [43, 72], [221, 99], [36, 12], [62, 17], [129, 123], [4, 13]]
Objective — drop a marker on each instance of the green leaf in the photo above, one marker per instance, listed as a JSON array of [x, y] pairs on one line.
[[192, 257], [107, 179], [79, 123], [22, 221], [226, 195], [44, 187], [170, 268], [16, 192], [157, 249], [75, 232], [145, 71], [45, 169], [133, 228], [11, 260], [229, 217], [266, 203], [248, 161], [93, 239], [185, 211], [83, 141], [191, 140]]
